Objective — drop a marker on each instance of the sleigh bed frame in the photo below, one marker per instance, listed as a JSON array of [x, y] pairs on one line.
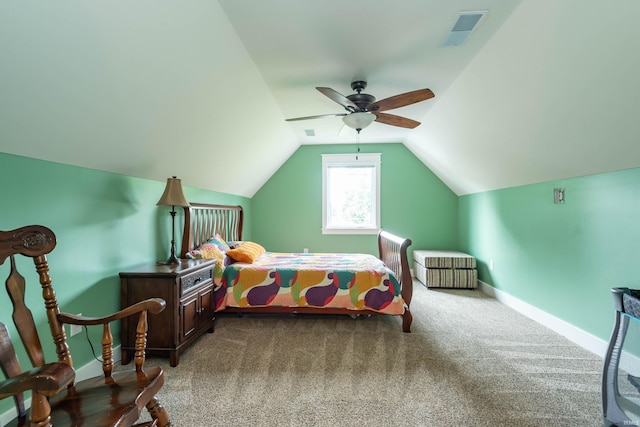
[[205, 220]]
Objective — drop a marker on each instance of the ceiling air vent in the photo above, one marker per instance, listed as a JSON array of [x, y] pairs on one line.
[[462, 28]]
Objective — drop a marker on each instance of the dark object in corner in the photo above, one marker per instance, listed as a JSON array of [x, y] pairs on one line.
[[618, 410]]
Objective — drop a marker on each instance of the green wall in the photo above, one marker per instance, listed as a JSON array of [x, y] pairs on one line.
[[105, 223], [415, 203], [560, 258]]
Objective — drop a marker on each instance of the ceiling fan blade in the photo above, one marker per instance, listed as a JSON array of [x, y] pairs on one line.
[[316, 117], [393, 120], [401, 100], [339, 98]]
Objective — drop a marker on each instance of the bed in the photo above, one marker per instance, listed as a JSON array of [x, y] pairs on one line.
[[250, 279]]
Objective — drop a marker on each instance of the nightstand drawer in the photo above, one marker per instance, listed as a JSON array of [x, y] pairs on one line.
[[195, 279]]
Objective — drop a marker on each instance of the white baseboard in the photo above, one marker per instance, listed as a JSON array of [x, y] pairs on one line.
[[91, 369], [628, 362], [577, 335]]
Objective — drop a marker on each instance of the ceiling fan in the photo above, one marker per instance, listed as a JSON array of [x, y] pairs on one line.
[[363, 109]]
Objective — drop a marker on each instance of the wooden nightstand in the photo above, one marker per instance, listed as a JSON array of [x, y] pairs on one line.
[[188, 290]]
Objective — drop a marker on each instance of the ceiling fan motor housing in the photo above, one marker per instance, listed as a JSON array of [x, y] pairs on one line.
[[362, 100]]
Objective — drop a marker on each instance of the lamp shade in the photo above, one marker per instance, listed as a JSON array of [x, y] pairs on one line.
[[359, 120], [173, 195]]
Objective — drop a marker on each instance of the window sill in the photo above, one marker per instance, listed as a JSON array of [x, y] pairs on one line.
[[350, 230]]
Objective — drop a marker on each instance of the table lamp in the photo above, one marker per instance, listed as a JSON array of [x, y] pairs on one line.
[[173, 197]]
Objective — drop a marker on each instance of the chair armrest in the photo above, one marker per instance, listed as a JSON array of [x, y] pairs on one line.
[[48, 379], [152, 305]]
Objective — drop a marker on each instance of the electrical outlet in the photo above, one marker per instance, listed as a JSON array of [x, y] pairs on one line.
[[306, 250], [75, 329]]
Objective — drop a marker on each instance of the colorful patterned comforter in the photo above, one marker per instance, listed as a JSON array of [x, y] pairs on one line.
[[351, 281]]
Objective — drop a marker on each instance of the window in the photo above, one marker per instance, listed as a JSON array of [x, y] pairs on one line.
[[350, 194]]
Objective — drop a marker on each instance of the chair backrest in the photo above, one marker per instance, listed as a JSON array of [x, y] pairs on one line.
[[116, 400], [33, 242]]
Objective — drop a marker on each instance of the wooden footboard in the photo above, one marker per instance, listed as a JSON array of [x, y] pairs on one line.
[[205, 220], [392, 251]]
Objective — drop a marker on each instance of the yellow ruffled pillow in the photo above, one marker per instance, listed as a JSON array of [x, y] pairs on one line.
[[206, 251], [210, 251], [247, 252]]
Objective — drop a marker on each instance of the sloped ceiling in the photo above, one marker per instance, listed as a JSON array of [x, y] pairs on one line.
[[395, 46], [147, 88], [542, 90], [555, 94]]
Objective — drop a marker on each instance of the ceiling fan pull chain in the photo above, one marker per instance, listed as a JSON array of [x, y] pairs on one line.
[[357, 142]]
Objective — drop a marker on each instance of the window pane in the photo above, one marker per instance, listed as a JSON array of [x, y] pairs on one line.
[[350, 196], [350, 193]]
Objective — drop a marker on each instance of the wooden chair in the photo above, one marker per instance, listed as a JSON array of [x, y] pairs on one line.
[[118, 398]]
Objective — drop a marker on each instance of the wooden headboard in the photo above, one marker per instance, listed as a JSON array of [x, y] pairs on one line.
[[201, 221]]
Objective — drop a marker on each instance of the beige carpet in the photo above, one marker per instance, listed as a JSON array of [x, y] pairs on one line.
[[470, 361]]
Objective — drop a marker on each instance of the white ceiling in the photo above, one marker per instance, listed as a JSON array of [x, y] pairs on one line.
[[542, 90], [392, 45]]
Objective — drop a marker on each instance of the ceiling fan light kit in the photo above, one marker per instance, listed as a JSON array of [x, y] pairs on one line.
[[358, 120], [363, 109]]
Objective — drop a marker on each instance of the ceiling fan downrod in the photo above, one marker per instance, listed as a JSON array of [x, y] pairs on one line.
[[358, 85]]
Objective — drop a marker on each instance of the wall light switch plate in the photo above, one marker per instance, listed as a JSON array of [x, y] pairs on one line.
[[558, 195]]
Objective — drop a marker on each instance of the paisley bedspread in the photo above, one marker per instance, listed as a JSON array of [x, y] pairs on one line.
[[351, 281]]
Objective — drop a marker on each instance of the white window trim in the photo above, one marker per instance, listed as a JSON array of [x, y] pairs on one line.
[[367, 159]]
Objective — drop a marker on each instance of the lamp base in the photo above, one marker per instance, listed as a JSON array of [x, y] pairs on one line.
[[171, 260]]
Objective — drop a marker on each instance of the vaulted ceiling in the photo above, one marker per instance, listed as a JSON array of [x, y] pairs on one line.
[[541, 90]]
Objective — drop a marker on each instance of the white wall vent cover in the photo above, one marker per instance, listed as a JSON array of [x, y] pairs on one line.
[[462, 28]]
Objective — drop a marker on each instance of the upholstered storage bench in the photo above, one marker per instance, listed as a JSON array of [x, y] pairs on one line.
[[445, 269]]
